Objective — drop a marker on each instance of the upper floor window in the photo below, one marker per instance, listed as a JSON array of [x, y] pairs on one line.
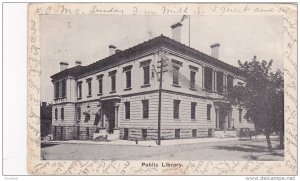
[[63, 85], [112, 75], [127, 71], [193, 110], [62, 113], [229, 82], [146, 71], [89, 82], [100, 84], [176, 104], [127, 110], [145, 108], [208, 78], [55, 113], [193, 71], [56, 90], [220, 86], [79, 89], [208, 112], [176, 67]]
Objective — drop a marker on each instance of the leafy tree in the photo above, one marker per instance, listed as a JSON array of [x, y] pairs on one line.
[[262, 96]]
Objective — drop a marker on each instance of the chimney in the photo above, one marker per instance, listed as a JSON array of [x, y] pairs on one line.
[[215, 50], [118, 50], [176, 31], [112, 49], [63, 66], [78, 62]]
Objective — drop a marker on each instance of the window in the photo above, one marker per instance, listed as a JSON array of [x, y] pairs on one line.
[[194, 133], [193, 110], [100, 84], [177, 133], [146, 69], [87, 131], [62, 114], [229, 82], [146, 74], [79, 89], [145, 108], [193, 76], [55, 115], [208, 78], [89, 88], [128, 79], [127, 110], [113, 83], [176, 109], [208, 112], [144, 133], [56, 87], [63, 89], [192, 79], [240, 114], [220, 82], [127, 71], [112, 75], [78, 113], [175, 75]]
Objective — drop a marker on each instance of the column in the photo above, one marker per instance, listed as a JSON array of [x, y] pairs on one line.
[[203, 78], [116, 115], [213, 80], [225, 82], [217, 118]]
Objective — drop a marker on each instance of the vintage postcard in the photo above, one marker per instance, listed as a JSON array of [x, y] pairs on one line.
[[162, 89]]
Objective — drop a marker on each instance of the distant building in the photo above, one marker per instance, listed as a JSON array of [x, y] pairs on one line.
[[126, 84]]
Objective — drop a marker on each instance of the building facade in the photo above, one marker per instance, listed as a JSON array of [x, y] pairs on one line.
[[126, 84]]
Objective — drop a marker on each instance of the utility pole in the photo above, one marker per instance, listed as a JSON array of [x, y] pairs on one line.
[[163, 59]]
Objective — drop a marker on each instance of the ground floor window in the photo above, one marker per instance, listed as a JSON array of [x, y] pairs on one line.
[[194, 133], [144, 133], [87, 131], [125, 133], [177, 133]]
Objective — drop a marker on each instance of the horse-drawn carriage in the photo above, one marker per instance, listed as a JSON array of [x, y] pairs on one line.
[[247, 133]]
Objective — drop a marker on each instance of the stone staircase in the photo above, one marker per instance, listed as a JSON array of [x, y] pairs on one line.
[[101, 136], [225, 133]]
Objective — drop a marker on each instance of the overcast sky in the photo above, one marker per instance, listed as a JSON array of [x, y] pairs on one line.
[[76, 37]]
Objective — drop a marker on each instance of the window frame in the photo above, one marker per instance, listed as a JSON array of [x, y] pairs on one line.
[[193, 110], [127, 110], [62, 113], [176, 109], [208, 112], [145, 112]]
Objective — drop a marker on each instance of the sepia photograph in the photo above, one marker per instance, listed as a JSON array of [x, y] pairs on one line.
[[161, 87]]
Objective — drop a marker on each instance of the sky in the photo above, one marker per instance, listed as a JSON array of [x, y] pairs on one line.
[[86, 38]]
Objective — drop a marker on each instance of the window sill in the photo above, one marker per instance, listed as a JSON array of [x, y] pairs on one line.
[[79, 98], [176, 119], [111, 92], [193, 119], [100, 94], [175, 85], [145, 85], [127, 89], [89, 96]]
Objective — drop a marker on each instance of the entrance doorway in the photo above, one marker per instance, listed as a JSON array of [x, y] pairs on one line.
[[223, 115], [110, 113]]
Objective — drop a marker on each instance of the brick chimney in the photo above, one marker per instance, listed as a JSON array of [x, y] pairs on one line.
[[63, 66], [112, 49], [78, 62], [176, 31], [215, 50]]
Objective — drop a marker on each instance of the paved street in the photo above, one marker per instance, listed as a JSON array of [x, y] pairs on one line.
[[225, 150]]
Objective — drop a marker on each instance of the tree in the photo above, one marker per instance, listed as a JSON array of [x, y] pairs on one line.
[[262, 96]]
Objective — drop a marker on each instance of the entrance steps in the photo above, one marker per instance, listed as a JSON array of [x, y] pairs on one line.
[[103, 136]]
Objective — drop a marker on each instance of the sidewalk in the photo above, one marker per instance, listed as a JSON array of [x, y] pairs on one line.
[[148, 143]]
